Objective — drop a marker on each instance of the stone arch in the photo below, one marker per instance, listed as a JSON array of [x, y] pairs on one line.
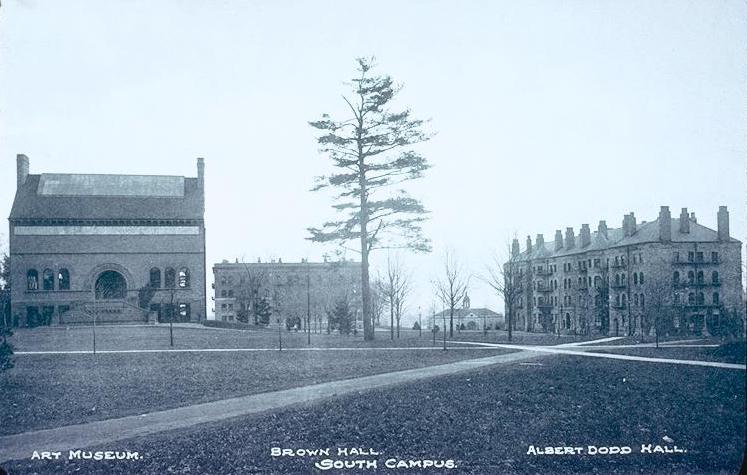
[[99, 269], [110, 284]]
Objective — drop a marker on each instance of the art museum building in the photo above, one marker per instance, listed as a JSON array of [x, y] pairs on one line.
[[118, 248]]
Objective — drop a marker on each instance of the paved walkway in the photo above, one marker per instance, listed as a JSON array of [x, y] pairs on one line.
[[21, 446]]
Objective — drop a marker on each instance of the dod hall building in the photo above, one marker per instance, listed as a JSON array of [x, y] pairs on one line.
[[117, 248]]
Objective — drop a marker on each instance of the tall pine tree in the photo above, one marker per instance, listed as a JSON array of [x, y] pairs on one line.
[[372, 151]]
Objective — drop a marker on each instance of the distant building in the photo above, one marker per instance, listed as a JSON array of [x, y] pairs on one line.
[[471, 318], [291, 289], [618, 281], [137, 241]]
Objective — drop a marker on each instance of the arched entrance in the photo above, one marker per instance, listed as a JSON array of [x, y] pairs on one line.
[[111, 285]]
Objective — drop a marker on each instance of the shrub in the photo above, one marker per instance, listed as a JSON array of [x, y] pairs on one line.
[[6, 349]]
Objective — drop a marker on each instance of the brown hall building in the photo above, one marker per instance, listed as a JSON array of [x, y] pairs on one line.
[[122, 248]]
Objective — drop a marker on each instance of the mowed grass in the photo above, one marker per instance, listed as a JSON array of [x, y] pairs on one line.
[[52, 390], [731, 352], [485, 420]]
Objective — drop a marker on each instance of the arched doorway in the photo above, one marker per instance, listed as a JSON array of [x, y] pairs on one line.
[[111, 285]]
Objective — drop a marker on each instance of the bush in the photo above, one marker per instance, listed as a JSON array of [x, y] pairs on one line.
[[435, 329], [6, 349], [416, 326]]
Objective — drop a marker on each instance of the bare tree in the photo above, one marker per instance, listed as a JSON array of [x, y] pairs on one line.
[[254, 279], [658, 306], [503, 276], [451, 287], [394, 288]]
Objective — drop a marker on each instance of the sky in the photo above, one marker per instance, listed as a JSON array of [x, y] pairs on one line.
[[546, 114]]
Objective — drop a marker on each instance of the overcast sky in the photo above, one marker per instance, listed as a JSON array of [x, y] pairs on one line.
[[548, 113]]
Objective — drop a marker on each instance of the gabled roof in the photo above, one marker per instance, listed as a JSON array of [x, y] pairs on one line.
[[70, 196], [645, 233], [461, 312]]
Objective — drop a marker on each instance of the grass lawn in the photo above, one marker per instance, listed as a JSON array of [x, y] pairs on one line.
[[733, 352], [45, 391], [485, 420]]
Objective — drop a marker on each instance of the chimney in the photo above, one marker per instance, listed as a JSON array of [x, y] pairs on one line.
[[570, 238], [540, 242], [602, 228], [585, 235], [558, 239], [692, 217], [665, 224], [684, 221], [22, 169], [515, 248], [201, 172], [723, 223], [529, 244], [631, 223], [626, 225]]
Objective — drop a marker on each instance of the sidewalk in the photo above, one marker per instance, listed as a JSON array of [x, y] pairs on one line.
[[21, 446]]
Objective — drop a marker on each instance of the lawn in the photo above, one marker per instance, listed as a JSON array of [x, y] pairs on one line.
[[484, 420], [45, 391], [732, 352]]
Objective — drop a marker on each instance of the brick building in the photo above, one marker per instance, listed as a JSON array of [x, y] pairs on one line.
[[291, 288], [139, 241], [671, 272]]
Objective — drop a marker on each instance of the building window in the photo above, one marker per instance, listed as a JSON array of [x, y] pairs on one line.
[[169, 278], [183, 278], [690, 256], [701, 280], [691, 277], [635, 278], [184, 312], [624, 300], [63, 279], [676, 278], [32, 279], [223, 293], [715, 298], [714, 277], [698, 256], [640, 278], [676, 256], [223, 306], [701, 298], [640, 258], [714, 256], [622, 279], [230, 293], [691, 298], [643, 302], [155, 278], [635, 300], [48, 279]]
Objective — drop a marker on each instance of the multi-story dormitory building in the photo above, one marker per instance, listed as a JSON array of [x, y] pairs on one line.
[[616, 281]]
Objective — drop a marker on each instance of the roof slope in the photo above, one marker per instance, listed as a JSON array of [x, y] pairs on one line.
[[56, 196]]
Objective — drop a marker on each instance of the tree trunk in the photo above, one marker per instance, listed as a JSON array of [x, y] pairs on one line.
[[451, 322], [391, 321]]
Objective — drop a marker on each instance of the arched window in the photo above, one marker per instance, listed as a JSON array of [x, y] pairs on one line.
[[48, 279], [701, 298], [184, 312], [63, 279], [155, 278], [714, 278], [640, 278], [691, 298], [691, 277], [183, 278], [676, 278], [715, 298], [32, 279], [169, 278], [701, 279]]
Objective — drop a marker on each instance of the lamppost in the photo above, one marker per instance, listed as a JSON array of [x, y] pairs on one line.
[[420, 324], [93, 289]]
